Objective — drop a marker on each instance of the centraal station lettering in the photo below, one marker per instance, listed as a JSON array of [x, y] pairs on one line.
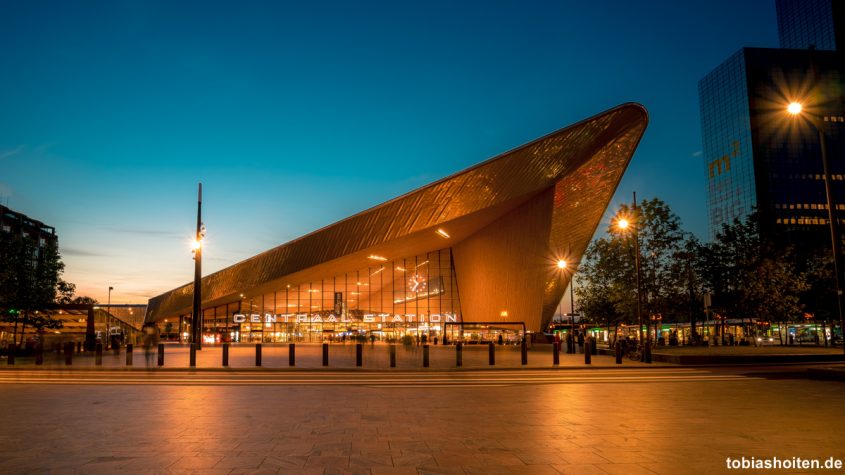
[[366, 318]]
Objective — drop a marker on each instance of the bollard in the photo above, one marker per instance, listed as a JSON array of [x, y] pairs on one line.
[[618, 353], [648, 354], [192, 358], [359, 354], [425, 356], [98, 354], [325, 354], [459, 354], [225, 355], [68, 353], [593, 347], [524, 350], [115, 348], [392, 356], [556, 354], [161, 354], [258, 354], [588, 355], [39, 354], [492, 354], [292, 354], [11, 359], [129, 349]]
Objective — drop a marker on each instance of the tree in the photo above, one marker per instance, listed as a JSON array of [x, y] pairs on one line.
[[29, 281], [608, 290], [603, 295], [750, 276]]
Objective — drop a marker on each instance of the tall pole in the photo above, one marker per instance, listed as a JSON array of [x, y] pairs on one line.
[[108, 312], [196, 324], [835, 244], [647, 347], [572, 287], [560, 282]]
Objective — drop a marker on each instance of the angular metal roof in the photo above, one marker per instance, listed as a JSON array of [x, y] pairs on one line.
[[583, 163]]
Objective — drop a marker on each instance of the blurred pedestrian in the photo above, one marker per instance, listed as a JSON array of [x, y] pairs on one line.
[[149, 343]]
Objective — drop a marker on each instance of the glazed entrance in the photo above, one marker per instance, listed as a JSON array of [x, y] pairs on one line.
[[413, 297]]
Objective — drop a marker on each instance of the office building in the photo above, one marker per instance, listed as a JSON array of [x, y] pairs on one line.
[[811, 24], [757, 156]]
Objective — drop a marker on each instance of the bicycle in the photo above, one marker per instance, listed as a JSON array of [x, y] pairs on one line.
[[634, 354]]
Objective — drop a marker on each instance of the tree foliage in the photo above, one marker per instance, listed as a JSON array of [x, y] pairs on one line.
[[608, 292], [749, 276], [30, 280]]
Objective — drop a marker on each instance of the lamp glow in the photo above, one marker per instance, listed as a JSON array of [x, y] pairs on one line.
[[561, 264], [623, 223], [794, 108]]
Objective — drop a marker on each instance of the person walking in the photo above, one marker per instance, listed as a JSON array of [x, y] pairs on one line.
[[149, 343]]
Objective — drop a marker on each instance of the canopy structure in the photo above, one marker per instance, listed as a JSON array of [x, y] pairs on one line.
[[504, 224]]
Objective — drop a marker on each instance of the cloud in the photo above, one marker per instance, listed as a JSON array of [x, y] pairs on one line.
[[70, 251], [12, 152], [697, 153]]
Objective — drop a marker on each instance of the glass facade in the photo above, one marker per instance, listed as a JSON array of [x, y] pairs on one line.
[[806, 23], [787, 149], [385, 301], [757, 156], [727, 146]]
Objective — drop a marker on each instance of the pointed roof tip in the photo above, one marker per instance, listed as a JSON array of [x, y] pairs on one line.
[[631, 107], [632, 104], [635, 106]]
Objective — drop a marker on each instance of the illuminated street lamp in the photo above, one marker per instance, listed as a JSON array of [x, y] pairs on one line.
[[108, 314], [796, 109], [561, 267], [196, 321], [624, 225]]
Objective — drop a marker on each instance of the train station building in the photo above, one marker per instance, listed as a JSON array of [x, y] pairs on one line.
[[476, 250]]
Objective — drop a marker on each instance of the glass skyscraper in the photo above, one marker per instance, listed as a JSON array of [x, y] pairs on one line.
[[756, 156], [805, 24]]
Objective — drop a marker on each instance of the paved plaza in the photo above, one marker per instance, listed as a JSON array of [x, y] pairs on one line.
[[661, 420]]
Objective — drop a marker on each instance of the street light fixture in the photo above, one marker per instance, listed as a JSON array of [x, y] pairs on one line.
[[796, 109], [196, 323], [108, 314], [561, 267], [624, 224], [562, 264]]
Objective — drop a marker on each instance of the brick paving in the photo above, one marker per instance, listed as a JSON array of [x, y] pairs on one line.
[[596, 428]]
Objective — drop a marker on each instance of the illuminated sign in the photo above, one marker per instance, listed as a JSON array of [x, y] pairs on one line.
[[724, 161], [366, 318]]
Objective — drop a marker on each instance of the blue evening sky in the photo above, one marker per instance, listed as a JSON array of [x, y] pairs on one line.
[[296, 115]]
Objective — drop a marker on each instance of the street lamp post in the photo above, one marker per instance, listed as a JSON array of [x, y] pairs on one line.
[[561, 266], [108, 315], [196, 323], [624, 224], [796, 109]]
